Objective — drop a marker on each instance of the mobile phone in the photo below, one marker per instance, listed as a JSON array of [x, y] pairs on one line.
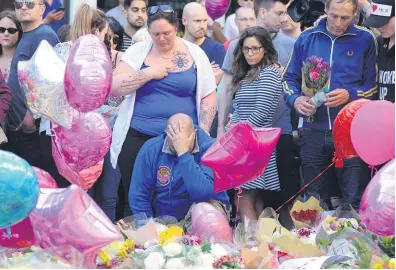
[[60, 9]]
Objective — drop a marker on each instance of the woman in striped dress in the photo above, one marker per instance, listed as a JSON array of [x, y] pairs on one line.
[[257, 87]]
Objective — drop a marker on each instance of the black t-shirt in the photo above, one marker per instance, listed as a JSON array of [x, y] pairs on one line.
[[214, 50], [386, 70]]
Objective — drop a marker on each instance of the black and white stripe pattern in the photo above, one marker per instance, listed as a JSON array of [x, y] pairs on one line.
[[126, 42], [256, 103]]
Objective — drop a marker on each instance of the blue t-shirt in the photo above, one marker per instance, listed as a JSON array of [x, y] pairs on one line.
[[26, 48], [56, 4], [214, 50], [158, 100]]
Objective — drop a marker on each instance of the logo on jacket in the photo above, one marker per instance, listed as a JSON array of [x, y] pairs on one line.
[[350, 53], [163, 175]]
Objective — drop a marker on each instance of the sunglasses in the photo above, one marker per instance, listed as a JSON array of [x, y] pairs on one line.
[[29, 4], [164, 9], [10, 30]]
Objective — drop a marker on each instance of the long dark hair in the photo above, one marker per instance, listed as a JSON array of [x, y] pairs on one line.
[[117, 29], [12, 17], [240, 68]]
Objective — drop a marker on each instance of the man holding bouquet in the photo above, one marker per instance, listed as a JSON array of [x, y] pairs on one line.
[[338, 57]]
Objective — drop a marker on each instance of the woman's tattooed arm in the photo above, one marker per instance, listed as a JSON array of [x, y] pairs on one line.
[[207, 111]]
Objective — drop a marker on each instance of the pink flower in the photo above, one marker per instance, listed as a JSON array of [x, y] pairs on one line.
[[313, 75]]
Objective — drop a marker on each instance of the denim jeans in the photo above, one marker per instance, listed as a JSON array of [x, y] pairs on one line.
[[105, 190], [348, 182]]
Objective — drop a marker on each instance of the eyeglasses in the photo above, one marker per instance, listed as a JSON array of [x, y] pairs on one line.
[[29, 4], [254, 50], [165, 9], [10, 30]]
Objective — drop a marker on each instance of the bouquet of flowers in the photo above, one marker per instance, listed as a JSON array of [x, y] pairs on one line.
[[306, 214]]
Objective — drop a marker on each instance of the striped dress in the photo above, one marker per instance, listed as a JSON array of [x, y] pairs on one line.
[[256, 103]]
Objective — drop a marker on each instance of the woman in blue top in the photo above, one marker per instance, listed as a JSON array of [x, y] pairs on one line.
[[162, 76]]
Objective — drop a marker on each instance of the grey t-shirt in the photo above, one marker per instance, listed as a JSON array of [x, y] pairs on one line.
[[284, 46], [118, 15]]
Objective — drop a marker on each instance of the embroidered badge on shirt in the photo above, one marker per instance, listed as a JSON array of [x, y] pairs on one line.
[[163, 175]]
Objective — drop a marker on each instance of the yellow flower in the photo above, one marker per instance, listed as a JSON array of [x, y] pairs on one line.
[[122, 253], [378, 266], [169, 234], [392, 263], [104, 256], [330, 219], [130, 245]]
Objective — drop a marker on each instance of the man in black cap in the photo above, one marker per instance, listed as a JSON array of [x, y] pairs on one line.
[[381, 15]]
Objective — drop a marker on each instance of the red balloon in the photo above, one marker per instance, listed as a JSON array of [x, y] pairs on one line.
[[88, 74], [22, 235], [241, 155], [373, 132], [45, 179], [217, 8], [69, 217], [342, 131]]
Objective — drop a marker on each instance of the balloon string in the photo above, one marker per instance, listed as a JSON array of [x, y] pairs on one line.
[[372, 167], [239, 196], [304, 187], [9, 232]]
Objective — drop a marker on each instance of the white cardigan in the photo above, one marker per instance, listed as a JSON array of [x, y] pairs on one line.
[[135, 56]]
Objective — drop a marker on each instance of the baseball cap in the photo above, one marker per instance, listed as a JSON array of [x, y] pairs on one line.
[[382, 12]]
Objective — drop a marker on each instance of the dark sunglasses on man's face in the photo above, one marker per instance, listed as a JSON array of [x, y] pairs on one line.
[[167, 9], [29, 4], [10, 30]]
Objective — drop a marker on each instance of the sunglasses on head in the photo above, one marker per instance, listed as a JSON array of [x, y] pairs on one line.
[[165, 9], [10, 30], [29, 4]]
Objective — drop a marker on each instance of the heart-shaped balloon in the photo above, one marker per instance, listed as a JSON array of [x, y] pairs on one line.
[[19, 189], [69, 217], [85, 143], [88, 74], [45, 179], [217, 8], [41, 78], [377, 207], [241, 155], [22, 235], [85, 178], [342, 131]]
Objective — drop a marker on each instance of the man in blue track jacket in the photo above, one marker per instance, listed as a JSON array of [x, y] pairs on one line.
[[168, 177], [351, 51]]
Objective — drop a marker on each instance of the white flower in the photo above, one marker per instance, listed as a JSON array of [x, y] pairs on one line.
[[154, 260], [160, 228], [173, 249], [175, 263], [206, 261], [218, 251]]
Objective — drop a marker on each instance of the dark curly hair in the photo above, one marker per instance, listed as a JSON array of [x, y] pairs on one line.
[[241, 70], [10, 15]]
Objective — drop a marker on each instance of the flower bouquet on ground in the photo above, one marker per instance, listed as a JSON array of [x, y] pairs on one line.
[[306, 214], [315, 80]]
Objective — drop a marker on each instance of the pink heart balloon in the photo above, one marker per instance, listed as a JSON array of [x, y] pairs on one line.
[[86, 143], [84, 179], [217, 8], [45, 179], [377, 207], [22, 235], [88, 75], [373, 132], [209, 223], [69, 217], [241, 155]]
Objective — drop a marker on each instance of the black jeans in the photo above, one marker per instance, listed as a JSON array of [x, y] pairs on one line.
[[348, 182], [126, 161], [25, 145]]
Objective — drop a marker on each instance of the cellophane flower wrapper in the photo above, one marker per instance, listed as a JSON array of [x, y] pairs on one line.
[[323, 262], [112, 255], [315, 75], [245, 232], [259, 257], [333, 223], [306, 214], [36, 258]]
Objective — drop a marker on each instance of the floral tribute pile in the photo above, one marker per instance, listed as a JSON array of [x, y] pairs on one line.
[[320, 239]]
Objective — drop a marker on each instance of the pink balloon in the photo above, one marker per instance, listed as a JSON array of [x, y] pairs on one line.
[[217, 8], [377, 207], [69, 217], [88, 74], [373, 132], [22, 235], [209, 223], [241, 155], [86, 143], [45, 179], [84, 179]]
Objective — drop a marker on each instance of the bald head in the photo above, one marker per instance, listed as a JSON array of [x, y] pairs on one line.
[[183, 119], [244, 18], [195, 21], [193, 8]]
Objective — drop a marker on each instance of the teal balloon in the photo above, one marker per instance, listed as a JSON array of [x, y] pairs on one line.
[[19, 189]]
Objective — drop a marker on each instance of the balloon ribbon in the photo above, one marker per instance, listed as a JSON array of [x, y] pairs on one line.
[[239, 196]]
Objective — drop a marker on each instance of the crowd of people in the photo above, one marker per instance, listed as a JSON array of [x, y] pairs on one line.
[[172, 95]]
